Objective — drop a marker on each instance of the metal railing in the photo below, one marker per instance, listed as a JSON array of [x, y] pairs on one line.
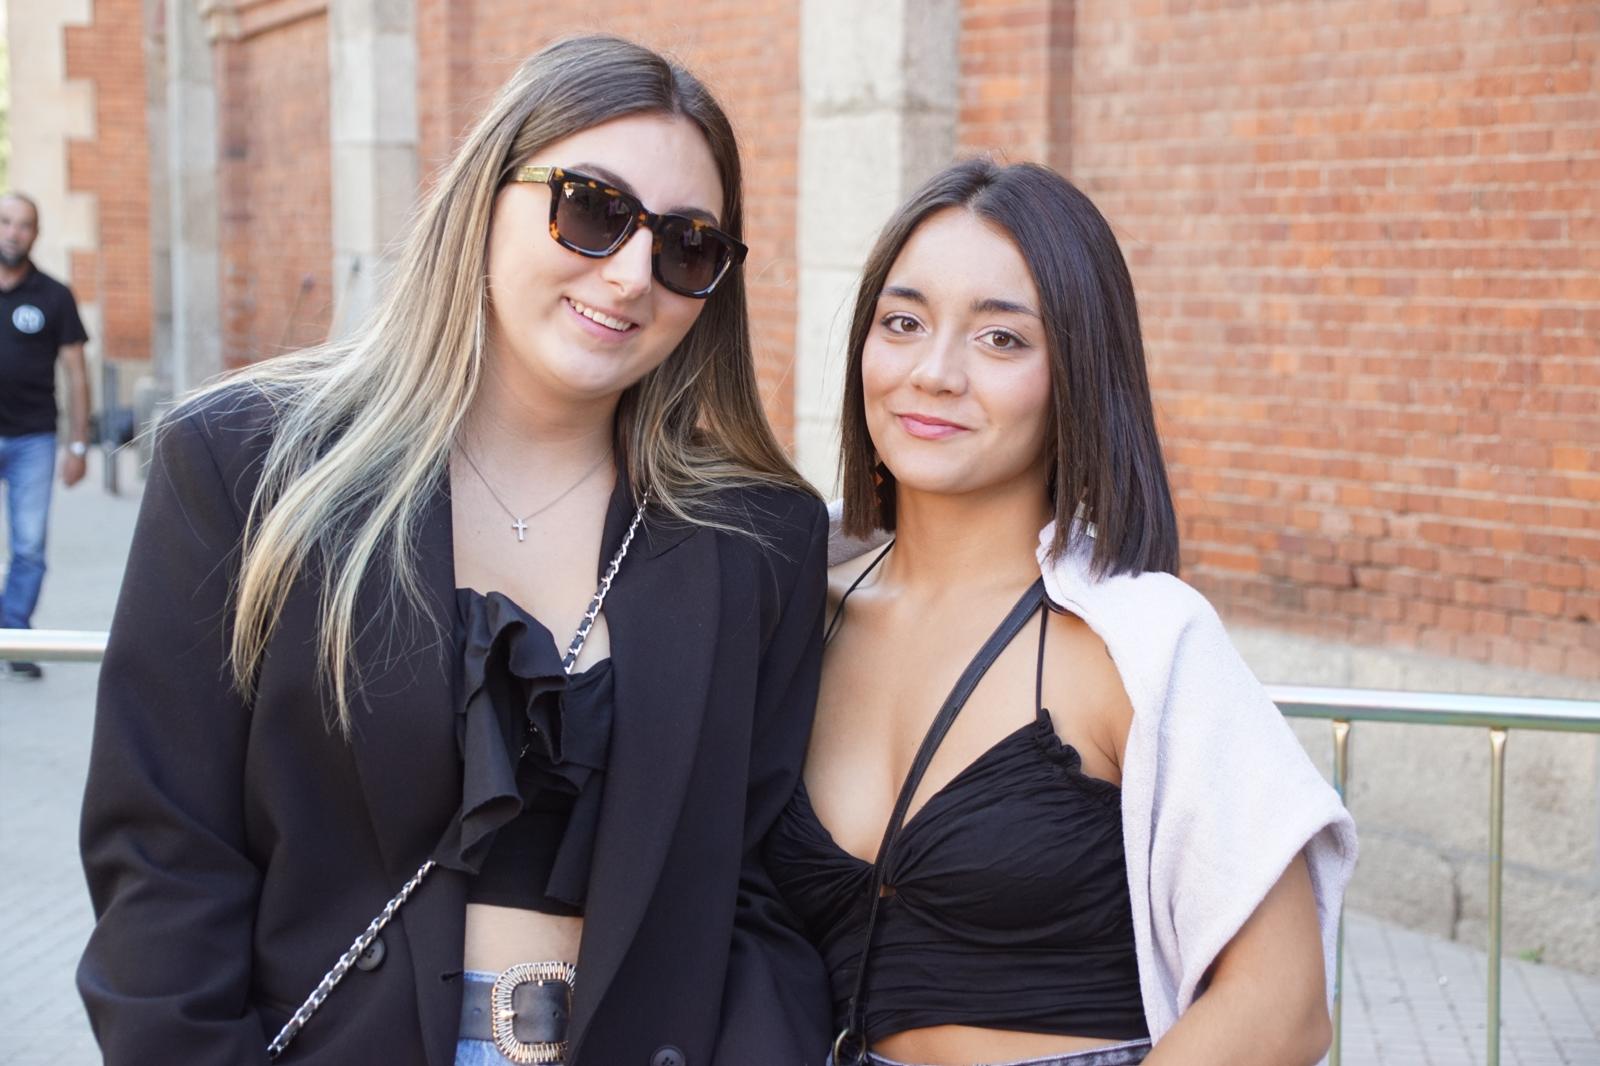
[[1341, 706], [59, 645], [1499, 715]]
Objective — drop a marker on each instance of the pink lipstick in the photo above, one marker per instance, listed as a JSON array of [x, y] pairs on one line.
[[926, 427]]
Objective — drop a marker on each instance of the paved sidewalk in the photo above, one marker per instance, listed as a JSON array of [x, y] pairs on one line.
[[44, 748], [1410, 1000], [1416, 1000]]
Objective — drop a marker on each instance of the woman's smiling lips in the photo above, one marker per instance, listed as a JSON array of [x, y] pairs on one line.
[[927, 427], [599, 323]]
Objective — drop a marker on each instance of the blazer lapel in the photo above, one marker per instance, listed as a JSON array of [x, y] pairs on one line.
[[405, 754], [663, 618]]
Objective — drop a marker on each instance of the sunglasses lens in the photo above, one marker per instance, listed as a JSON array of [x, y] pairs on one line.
[[592, 219], [691, 257]]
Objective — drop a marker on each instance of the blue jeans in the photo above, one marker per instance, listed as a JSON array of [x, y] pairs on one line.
[[27, 466], [1127, 1053]]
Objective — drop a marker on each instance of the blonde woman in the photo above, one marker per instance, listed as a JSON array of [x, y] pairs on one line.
[[460, 666]]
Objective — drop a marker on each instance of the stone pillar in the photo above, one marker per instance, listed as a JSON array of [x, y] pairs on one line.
[[193, 288], [373, 125], [879, 89], [159, 206]]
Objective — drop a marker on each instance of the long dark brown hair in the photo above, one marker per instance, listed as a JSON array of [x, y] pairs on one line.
[[1108, 468]]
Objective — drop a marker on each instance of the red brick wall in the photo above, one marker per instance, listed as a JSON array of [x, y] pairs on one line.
[[114, 167], [746, 50], [1366, 238], [276, 242], [1364, 234], [448, 93], [1016, 80]]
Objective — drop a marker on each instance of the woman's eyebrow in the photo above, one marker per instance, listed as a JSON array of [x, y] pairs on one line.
[[904, 292], [598, 171], [994, 305], [987, 306]]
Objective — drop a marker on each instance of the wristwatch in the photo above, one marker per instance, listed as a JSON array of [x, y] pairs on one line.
[[78, 449]]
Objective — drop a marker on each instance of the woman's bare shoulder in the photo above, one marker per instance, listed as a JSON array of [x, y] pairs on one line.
[[1079, 665], [842, 575]]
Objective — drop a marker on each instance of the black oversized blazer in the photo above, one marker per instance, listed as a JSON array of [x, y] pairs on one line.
[[235, 848]]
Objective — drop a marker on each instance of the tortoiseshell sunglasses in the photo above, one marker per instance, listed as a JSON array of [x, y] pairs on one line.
[[689, 256]]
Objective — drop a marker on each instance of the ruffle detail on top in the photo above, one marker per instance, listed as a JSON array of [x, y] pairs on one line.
[[515, 698]]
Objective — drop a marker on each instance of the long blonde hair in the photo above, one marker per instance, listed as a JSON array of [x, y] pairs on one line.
[[364, 426]]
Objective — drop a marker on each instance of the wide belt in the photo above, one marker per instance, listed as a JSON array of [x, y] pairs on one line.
[[524, 1012]]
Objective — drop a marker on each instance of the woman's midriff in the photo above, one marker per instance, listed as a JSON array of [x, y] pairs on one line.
[[961, 1045], [500, 937]]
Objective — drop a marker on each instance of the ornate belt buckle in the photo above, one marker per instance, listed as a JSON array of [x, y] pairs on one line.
[[504, 1014]]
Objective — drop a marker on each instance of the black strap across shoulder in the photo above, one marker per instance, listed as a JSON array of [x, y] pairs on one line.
[[838, 612], [850, 1047]]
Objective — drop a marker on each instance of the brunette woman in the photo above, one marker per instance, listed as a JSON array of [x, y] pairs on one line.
[[1108, 847], [492, 631]]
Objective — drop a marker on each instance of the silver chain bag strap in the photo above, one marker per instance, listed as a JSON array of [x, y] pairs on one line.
[[358, 947]]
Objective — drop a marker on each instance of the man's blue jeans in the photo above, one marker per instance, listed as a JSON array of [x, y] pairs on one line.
[[27, 467]]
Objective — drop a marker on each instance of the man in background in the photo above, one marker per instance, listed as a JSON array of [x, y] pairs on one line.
[[38, 324]]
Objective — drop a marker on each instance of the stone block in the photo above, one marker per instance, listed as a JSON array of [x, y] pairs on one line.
[[373, 97], [188, 47], [355, 292], [927, 146], [932, 56], [196, 316], [373, 191], [395, 67], [896, 55], [360, 17], [1557, 923], [353, 90], [196, 193], [1406, 882], [817, 453], [354, 175], [826, 299], [852, 171], [855, 71]]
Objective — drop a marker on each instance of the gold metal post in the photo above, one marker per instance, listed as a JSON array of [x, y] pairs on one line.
[[1341, 778], [1497, 825]]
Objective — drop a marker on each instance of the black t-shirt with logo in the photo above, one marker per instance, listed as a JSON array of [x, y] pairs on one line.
[[37, 318]]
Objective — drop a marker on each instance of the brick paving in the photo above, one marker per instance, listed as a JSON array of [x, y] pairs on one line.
[[1416, 1000], [1410, 999]]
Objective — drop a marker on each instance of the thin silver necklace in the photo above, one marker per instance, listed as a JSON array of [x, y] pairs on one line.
[[520, 525]]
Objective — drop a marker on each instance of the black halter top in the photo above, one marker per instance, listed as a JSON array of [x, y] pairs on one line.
[[1009, 906]]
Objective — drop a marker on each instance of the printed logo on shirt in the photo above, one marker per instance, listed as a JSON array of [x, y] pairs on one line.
[[28, 319]]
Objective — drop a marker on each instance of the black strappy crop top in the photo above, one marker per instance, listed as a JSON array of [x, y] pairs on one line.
[[1006, 904]]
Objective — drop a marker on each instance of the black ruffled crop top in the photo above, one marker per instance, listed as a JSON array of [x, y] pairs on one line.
[[1006, 902], [533, 744]]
